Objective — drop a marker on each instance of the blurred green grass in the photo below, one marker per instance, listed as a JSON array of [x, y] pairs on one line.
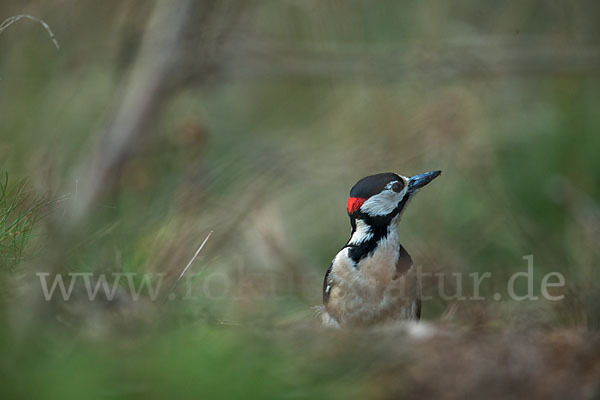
[[263, 153]]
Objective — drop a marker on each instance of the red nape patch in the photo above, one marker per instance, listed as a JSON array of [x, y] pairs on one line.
[[354, 204]]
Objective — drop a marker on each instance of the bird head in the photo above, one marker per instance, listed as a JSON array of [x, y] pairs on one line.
[[377, 199]]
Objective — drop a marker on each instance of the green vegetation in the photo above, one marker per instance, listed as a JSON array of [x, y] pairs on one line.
[[19, 212]]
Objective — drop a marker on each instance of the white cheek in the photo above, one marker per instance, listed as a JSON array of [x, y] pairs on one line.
[[382, 203]]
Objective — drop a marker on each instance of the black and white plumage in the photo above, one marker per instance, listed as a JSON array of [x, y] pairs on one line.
[[372, 280]]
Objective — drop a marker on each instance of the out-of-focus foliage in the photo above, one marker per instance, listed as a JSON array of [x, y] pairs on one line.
[[18, 215], [274, 111]]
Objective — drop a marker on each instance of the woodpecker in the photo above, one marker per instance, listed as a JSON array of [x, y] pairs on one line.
[[372, 280]]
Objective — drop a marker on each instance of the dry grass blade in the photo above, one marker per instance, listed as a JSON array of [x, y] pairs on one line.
[[11, 20], [195, 255]]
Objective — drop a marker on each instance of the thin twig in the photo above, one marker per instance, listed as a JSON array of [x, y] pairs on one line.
[[252, 56], [11, 20]]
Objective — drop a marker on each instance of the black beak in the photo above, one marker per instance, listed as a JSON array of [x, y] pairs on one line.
[[418, 181]]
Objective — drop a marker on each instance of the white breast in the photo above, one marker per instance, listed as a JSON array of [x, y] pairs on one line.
[[371, 291]]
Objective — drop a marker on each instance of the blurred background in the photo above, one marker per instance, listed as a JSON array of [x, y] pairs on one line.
[[158, 122]]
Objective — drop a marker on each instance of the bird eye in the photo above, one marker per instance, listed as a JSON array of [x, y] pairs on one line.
[[397, 187]]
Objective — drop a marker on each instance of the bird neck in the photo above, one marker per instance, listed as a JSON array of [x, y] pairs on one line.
[[362, 231], [365, 237]]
